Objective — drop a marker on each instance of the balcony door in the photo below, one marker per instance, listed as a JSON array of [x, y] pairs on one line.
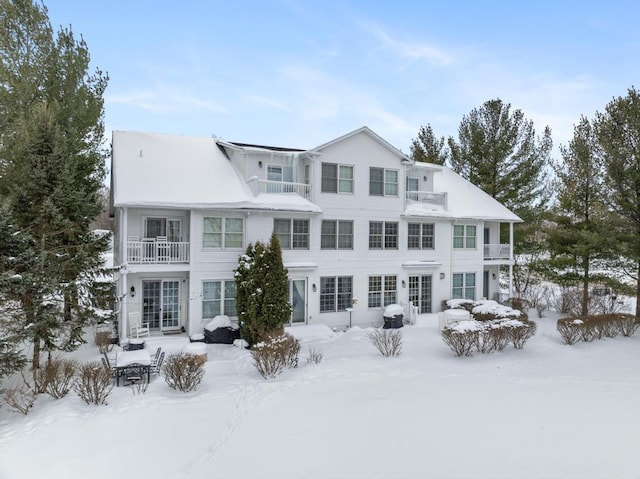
[[161, 303], [171, 228]]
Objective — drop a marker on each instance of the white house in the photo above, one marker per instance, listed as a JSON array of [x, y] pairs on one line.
[[356, 218]]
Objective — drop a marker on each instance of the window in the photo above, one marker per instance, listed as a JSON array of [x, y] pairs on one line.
[[464, 236], [336, 293], [218, 297], [464, 286], [222, 232], [383, 182], [292, 234], [413, 186], [280, 173], [383, 235], [383, 291], [336, 234], [420, 236], [159, 227], [337, 178]]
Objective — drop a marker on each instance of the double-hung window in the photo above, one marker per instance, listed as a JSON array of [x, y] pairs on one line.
[[464, 236], [336, 293], [218, 297], [420, 236], [221, 232], [464, 286], [336, 234], [292, 234], [383, 291], [336, 178], [383, 182], [383, 235]]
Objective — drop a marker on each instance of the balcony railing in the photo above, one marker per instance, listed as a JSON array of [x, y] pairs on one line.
[[157, 252], [267, 186], [496, 251], [428, 197]]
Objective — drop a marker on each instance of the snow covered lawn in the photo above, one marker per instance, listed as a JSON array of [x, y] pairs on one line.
[[549, 410]]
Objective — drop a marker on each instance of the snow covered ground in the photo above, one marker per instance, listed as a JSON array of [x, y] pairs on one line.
[[548, 411]]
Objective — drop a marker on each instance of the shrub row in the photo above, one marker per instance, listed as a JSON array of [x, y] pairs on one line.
[[465, 337], [588, 328]]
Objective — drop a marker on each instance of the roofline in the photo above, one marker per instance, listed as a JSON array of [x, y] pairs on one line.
[[372, 134]]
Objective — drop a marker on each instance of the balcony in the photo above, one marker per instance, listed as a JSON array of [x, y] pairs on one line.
[[427, 198], [269, 186], [497, 252], [157, 251]]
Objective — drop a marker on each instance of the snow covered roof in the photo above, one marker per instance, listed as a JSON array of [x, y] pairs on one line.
[[175, 171], [464, 201]]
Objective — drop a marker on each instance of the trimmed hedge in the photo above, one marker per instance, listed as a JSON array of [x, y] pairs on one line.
[[588, 328], [464, 337]]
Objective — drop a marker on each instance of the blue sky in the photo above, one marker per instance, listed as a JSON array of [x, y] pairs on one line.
[[299, 73]]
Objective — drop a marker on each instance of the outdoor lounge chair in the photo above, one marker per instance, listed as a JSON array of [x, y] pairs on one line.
[[155, 369], [136, 328]]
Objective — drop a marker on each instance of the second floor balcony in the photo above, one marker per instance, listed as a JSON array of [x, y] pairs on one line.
[[497, 252], [271, 186], [427, 198], [156, 251]]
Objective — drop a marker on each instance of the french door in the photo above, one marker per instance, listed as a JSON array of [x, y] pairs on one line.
[[161, 304], [420, 292], [298, 300]]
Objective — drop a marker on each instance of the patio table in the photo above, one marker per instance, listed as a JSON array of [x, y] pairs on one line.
[[127, 361]]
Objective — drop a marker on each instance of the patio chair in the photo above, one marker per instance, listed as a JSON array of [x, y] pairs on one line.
[[155, 369], [155, 357], [136, 328]]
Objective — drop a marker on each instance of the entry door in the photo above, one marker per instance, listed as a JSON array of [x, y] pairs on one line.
[[420, 292], [161, 303], [298, 299], [485, 284]]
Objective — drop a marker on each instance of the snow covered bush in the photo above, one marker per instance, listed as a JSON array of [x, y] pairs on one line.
[[103, 341], [462, 336], [275, 353], [93, 383], [19, 396], [387, 341], [314, 357], [569, 329], [600, 326], [57, 376], [183, 371]]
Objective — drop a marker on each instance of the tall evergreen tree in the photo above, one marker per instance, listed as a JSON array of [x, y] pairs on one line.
[[498, 151], [618, 134], [578, 240], [262, 298], [428, 148], [52, 168]]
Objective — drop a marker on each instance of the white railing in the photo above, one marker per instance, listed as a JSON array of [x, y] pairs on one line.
[[496, 251], [267, 186], [428, 197], [153, 252]]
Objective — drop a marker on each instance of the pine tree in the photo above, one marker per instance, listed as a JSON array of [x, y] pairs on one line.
[[618, 134], [578, 241], [262, 298], [497, 150], [51, 117], [429, 149]]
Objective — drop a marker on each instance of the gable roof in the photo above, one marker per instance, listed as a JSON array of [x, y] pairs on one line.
[[175, 171], [366, 130], [464, 200]]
